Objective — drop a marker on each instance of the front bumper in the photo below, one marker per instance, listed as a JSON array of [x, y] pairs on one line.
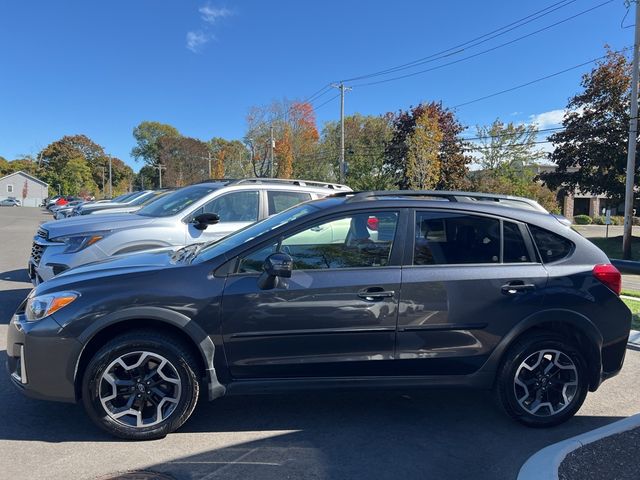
[[40, 361]]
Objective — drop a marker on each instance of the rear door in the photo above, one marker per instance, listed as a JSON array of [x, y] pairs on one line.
[[336, 316], [468, 279]]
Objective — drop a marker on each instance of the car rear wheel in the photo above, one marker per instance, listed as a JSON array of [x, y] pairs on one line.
[[542, 381], [141, 386]]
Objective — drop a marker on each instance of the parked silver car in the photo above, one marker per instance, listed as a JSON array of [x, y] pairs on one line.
[[176, 219], [135, 198]]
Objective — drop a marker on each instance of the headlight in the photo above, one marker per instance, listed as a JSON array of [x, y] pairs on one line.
[[41, 306], [75, 243]]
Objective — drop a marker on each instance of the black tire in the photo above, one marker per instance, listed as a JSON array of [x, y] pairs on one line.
[[181, 368], [528, 348]]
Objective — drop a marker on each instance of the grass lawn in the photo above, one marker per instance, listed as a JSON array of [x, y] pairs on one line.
[[612, 246], [634, 306]]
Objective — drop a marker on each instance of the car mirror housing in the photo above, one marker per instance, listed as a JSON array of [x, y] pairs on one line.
[[276, 266], [202, 221]]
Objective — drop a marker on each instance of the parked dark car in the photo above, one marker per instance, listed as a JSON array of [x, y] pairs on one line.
[[375, 289]]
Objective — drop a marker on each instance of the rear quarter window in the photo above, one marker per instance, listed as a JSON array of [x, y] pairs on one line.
[[552, 247]]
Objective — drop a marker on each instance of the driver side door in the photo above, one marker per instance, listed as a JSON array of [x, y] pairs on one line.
[[336, 315]]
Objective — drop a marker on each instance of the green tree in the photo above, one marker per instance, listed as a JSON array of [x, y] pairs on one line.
[[231, 157], [591, 150], [366, 138], [454, 161], [423, 153], [147, 135], [502, 148], [76, 178]]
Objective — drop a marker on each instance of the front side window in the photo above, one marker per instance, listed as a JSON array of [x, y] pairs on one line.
[[177, 201], [239, 206], [453, 239], [280, 201], [359, 240]]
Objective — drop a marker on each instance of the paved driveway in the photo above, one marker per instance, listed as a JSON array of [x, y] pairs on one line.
[[404, 434]]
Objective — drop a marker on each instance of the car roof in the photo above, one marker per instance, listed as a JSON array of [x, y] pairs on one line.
[[342, 202]]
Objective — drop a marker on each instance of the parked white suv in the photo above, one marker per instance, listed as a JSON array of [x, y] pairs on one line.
[[169, 221]]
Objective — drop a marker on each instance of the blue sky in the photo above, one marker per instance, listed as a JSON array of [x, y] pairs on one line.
[[100, 68]]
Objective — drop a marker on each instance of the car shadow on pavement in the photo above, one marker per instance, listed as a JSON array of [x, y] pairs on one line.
[[9, 302], [352, 434], [19, 275], [414, 434]]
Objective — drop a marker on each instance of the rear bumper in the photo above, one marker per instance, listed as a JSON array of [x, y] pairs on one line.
[[613, 357]]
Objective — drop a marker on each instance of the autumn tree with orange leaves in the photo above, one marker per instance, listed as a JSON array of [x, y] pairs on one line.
[[296, 139]]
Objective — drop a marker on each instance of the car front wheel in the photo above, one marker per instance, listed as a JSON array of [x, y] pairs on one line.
[[542, 381], [141, 386]]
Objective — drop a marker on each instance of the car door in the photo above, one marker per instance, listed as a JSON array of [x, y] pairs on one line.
[[468, 279], [236, 210], [336, 316]]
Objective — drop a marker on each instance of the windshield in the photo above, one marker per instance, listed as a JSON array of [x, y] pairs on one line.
[[176, 201], [247, 234], [122, 197]]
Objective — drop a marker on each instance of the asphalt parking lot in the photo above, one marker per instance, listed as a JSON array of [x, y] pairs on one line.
[[356, 435]]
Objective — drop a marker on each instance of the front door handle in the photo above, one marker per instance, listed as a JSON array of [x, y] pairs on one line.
[[518, 286], [375, 293]]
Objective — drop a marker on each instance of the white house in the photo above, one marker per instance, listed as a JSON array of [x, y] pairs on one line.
[[31, 191]]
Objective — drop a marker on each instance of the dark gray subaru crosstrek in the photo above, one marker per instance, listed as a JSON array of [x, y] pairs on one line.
[[383, 289]]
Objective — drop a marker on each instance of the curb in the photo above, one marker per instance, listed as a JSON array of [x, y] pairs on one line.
[[545, 463]]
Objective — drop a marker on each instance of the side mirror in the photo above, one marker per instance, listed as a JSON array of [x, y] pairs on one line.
[[202, 221], [276, 266]]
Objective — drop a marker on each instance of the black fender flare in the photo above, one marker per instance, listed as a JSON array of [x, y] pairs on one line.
[[561, 316], [201, 340]]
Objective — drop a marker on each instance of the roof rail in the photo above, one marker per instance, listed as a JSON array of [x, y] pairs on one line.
[[293, 181], [452, 196]]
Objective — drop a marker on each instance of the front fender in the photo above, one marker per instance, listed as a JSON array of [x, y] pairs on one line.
[[201, 340]]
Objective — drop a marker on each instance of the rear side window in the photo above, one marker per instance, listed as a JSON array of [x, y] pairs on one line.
[[280, 201], [552, 247], [454, 239]]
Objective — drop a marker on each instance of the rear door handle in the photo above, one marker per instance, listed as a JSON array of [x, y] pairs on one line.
[[375, 293], [513, 288]]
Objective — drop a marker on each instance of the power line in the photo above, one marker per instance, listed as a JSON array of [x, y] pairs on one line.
[[469, 43], [546, 77], [483, 52]]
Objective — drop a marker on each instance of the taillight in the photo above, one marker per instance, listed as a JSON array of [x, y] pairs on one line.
[[610, 276]]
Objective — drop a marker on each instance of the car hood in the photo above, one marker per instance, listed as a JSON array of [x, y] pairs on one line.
[[90, 223], [133, 263]]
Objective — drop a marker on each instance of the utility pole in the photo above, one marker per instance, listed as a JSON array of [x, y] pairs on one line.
[[633, 136], [342, 89], [110, 180], [103, 174], [209, 164], [273, 144], [160, 168]]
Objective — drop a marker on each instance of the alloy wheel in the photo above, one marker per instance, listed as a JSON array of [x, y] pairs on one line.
[[139, 389], [546, 382]]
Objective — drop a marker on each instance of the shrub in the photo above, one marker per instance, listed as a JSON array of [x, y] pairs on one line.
[[582, 220], [599, 220], [617, 220]]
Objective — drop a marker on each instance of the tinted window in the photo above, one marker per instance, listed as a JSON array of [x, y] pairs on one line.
[[515, 249], [552, 247], [279, 201], [362, 240], [177, 201], [235, 207], [451, 238]]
